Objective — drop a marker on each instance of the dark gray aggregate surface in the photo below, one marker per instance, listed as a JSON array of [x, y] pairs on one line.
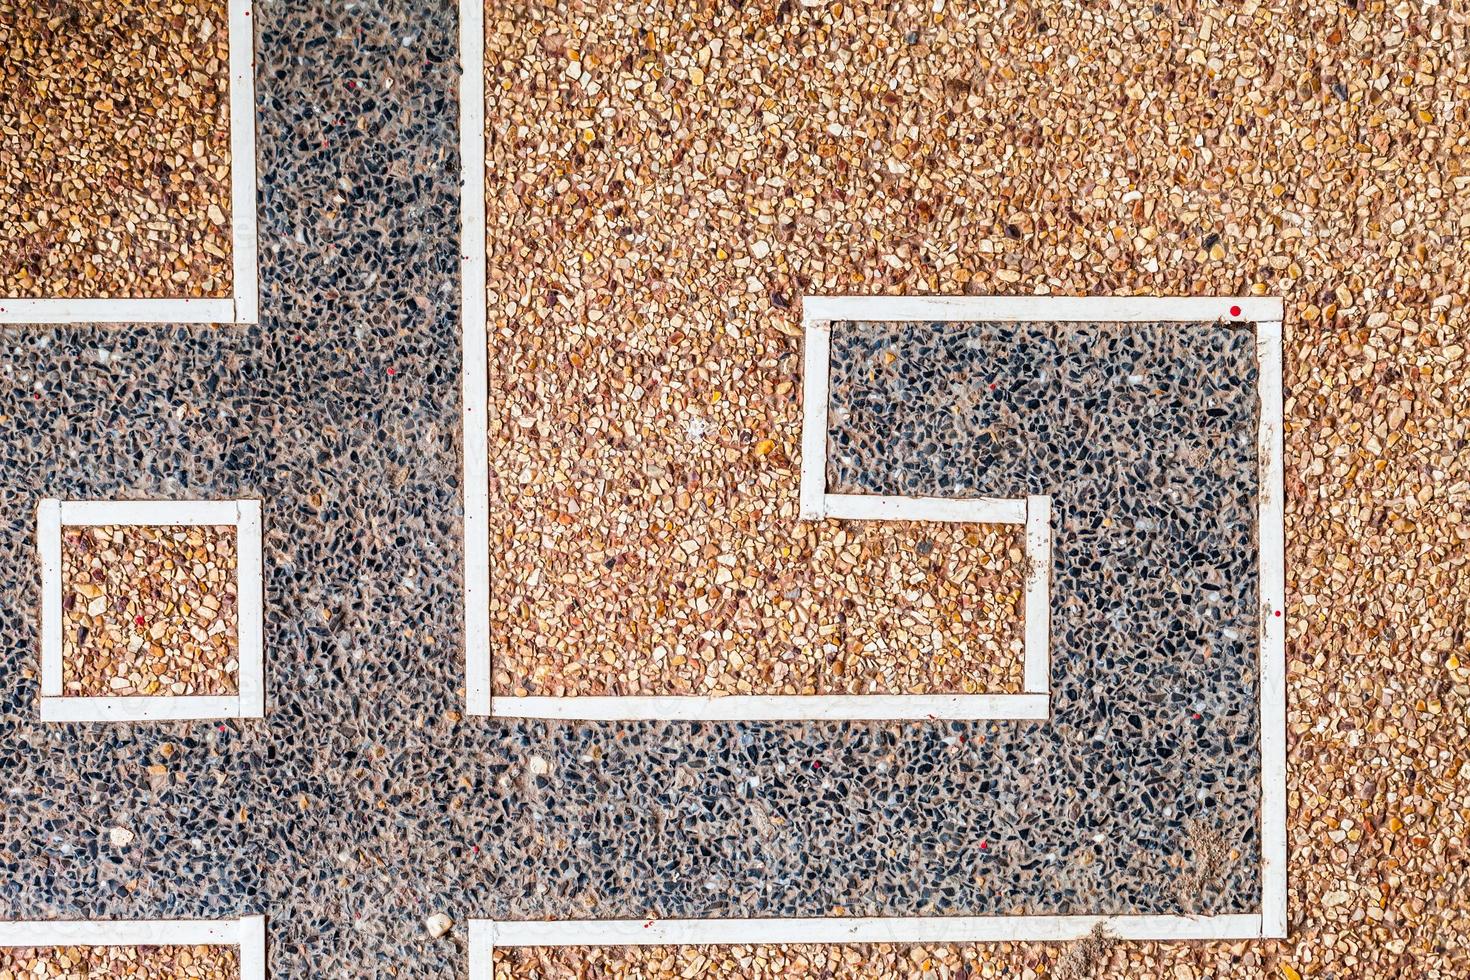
[[362, 802]]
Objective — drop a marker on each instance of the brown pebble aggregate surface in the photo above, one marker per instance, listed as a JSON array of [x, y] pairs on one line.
[[665, 185], [117, 962], [149, 610], [844, 607], [1312, 151], [114, 149]]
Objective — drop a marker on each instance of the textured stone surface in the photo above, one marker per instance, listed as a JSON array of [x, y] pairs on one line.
[[1145, 437], [114, 148], [109, 962], [1051, 148], [149, 611], [843, 608]]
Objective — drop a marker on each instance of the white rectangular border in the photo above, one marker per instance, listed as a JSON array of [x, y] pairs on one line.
[[245, 516], [244, 305], [248, 933], [474, 342]]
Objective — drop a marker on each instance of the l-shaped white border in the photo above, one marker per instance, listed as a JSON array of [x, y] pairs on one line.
[[52, 515], [243, 306], [1270, 923], [247, 932]]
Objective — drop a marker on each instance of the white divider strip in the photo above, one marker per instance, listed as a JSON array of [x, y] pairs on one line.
[[1036, 664], [967, 510], [242, 162], [482, 949], [474, 341], [117, 310], [182, 513], [250, 623], [817, 354], [252, 948], [48, 545], [1272, 541], [147, 708], [126, 932], [1021, 309], [938, 929], [739, 707]]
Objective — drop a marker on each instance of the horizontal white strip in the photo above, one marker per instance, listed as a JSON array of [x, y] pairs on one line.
[[937, 929], [1094, 309], [121, 932], [150, 708], [973, 510], [738, 707], [117, 310], [160, 512]]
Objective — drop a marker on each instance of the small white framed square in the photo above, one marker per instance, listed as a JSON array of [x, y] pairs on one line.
[[243, 304], [244, 515], [247, 932]]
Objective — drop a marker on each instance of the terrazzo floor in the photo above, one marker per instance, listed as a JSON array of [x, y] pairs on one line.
[[364, 801]]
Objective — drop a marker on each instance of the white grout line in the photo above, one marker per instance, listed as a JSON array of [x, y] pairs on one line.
[[482, 949], [137, 932], [48, 545], [213, 310], [797, 707], [167, 513], [474, 341], [1037, 658], [971, 510], [245, 516], [242, 162], [1021, 309], [145, 708], [250, 610], [904, 930], [252, 948], [816, 367], [1272, 542]]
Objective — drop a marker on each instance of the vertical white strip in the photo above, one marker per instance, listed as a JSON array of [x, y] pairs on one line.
[[252, 947], [1272, 539], [482, 949], [48, 544], [1037, 662], [242, 161], [817, 356], [250, 627], [474, 341]]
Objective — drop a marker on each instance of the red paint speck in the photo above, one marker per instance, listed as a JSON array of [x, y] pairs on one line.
[[1278, 613], [1235, 311], [984, 846], [392, 371], [138, 620]]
